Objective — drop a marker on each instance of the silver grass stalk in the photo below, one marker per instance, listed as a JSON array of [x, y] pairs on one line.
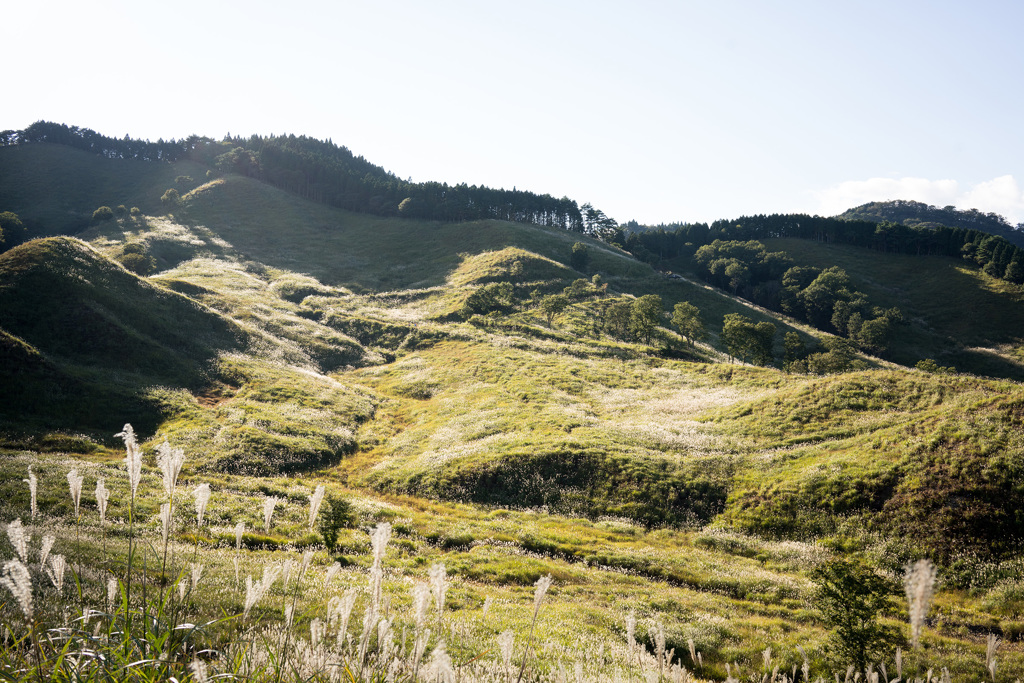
[[197, 573], [506, 646], [111, 593], [379, 538], [289, 614], [269, 503], [199, 672], [45, 548], [385, 640], [75, 481], [202, 496], [56, 572], [315, 501], [439, 667], [133, 458], [239, 530], [165, 521], [18, 538], [345, 605], [420, 605], [899, 663], [169, 460], [33, 489], [543, 584], [102, 497], [805, 668], [307, 559], [920, 584], [18, 581], [659, 644], [286, 572], [990, 655], [255, 591], [488, 602], [438, 586], [631, 634], [370, 618], [332, 572]]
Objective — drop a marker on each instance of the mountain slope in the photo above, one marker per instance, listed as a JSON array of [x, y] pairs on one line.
[[96, 334]]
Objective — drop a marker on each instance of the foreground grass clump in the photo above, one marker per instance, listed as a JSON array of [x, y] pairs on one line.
[[156, 577]]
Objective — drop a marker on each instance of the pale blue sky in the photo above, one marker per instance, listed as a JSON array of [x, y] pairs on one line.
[[654, 111]]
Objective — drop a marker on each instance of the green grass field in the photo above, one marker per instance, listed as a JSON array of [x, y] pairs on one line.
[[285, 345]]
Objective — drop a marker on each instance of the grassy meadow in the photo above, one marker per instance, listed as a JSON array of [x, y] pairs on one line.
[[679, 502]]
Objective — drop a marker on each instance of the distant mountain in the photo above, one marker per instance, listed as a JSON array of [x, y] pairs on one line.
[[913, 213]]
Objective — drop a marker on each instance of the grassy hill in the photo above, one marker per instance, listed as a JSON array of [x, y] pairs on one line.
[[958, 315], [285, 344]]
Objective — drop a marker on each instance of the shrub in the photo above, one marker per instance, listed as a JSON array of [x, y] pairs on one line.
[[336, 515], [851, 598], [104, 213]]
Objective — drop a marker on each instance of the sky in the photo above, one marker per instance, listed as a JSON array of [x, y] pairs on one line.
[[654, 111]]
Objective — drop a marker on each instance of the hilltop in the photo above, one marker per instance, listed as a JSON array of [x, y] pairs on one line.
[[913, 213]]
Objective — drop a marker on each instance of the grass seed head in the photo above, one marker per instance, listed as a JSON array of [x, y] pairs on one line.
[[33, 489], [102, 497], [202, 496], [169, 460], [18, 581], [920, 584], [75, 481], [543, 584], [133, 458], [45, 548], [56, 572], [19, 539], [269, 503], [165, 521], [315, 501]]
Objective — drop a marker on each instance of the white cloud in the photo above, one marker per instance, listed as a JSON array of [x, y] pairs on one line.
[[1000, 195]]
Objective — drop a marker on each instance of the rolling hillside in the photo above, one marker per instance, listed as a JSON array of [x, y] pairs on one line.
[[285, 344]]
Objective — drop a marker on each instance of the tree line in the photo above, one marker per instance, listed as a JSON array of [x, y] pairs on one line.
[[996, 255], [324, 172]]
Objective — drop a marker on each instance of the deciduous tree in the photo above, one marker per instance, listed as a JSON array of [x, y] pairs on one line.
[[686, 319]]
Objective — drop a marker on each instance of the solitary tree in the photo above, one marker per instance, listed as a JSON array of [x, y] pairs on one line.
[[686, 319], [552, 305], [334, 516], [580, 258], [645, 314], [851, 598]]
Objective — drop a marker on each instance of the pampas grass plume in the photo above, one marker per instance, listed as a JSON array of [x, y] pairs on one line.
[[269, 503], [18, 538], [33, 489], [202, 496], [102, 497], [169, 460], [75, 481], [315, 501], [18, 581], [133, 458], [920, 584]]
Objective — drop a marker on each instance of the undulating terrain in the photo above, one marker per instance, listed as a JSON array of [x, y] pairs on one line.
[[414, 368]]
